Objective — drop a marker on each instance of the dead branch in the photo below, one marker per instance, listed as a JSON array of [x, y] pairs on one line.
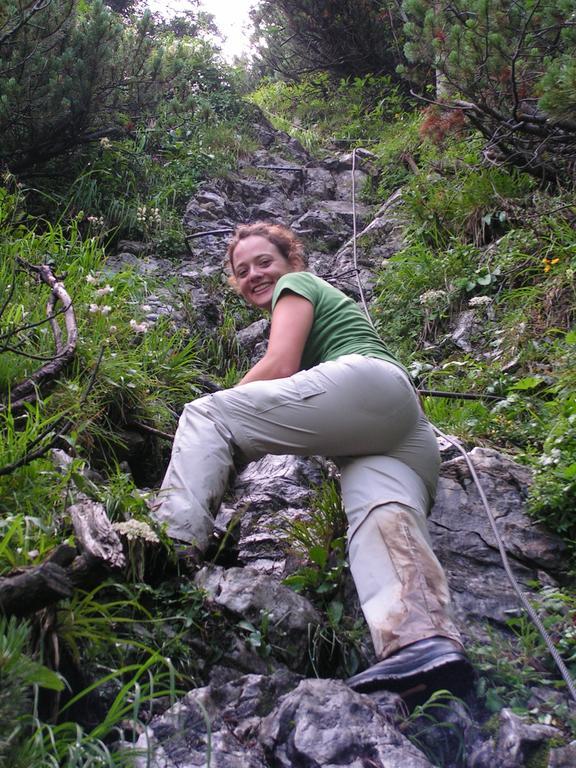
[[99, 552], [95, 534], [64, 351], [56, 430]]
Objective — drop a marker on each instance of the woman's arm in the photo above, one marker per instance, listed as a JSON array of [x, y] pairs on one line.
[[291, 323]]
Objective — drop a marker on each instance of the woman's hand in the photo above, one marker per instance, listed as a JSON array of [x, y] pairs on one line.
[[291, 323]]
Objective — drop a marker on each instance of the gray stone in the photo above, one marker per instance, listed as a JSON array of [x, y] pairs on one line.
[[563, 757], [255, 332], [283, 617], [465, 544], [215, 726], [518, 740], [320, 183], [325, 723]]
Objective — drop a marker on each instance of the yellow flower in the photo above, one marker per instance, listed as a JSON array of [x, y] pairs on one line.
[[548, 263]]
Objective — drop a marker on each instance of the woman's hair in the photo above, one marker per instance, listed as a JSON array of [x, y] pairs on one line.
[[282, 237]]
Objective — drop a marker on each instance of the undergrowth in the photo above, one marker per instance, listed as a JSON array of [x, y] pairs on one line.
[[481, 299]]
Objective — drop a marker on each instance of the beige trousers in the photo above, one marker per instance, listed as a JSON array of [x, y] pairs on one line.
[[364, 413]]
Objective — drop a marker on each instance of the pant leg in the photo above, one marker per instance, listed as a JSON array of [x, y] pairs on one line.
[[358, 409], [400, 583], [198, 474]]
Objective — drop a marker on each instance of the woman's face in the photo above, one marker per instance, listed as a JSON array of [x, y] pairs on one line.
[[258, 265]]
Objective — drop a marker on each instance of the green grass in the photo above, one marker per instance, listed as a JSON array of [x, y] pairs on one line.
[[476, 234]]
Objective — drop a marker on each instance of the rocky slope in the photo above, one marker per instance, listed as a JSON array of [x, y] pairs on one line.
[[261, 707]]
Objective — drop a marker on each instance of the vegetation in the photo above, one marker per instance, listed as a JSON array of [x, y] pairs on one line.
[[352, 40], [109, 122], [508, 66]]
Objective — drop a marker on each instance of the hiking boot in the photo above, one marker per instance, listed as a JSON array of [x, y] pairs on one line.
[[419, 669]]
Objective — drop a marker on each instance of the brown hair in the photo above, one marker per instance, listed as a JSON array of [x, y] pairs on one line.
[[282, 237]]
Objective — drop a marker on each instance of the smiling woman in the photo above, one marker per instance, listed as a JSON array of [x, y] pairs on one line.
[[327, 385]]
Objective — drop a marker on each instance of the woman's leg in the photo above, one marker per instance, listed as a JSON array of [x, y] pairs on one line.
[[355, 405], [349, 408], [197, 476]]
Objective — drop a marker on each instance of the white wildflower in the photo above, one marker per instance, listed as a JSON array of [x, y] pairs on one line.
[[136, 529], [479, 301], [139, 327], [106, 309], [105, 142], [433, 297], [91, 279], [146, 308], [93, 308], [113, 329], [105, 291]]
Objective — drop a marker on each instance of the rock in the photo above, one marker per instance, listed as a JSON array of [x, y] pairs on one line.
[[466, 546], [283, 618], [518, 741], [134, 247], [267, 492], [325, 723], [467, 325], [319, 183], [214, 726], [563, 757], [254, 333]]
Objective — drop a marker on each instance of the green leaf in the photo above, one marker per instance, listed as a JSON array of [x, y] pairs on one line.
[[335, 612], [37, 674], [528, 382], [569, 472], [319, 555]]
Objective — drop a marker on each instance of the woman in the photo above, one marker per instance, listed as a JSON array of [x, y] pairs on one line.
[[328, 386]]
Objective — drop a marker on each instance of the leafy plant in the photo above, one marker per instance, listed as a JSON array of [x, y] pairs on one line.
[[19, 674]]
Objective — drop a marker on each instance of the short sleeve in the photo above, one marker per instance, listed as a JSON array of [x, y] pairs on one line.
[[301, 283]]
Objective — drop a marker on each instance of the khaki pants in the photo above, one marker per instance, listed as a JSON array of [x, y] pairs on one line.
[[364, 413]]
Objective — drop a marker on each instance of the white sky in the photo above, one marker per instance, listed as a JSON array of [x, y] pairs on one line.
[[231, 18]]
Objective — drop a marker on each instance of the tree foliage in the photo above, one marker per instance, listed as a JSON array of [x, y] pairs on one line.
[[342, 37], [73, 72], [509, 65]]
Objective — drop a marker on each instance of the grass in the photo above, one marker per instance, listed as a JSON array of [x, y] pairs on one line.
[[477, 233]]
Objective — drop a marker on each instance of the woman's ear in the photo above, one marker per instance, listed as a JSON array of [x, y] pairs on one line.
[[233, 283]]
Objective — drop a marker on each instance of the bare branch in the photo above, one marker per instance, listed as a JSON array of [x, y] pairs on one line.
[[54, 366]]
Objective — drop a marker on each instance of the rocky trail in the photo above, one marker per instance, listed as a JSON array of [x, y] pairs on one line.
[[264, 709]]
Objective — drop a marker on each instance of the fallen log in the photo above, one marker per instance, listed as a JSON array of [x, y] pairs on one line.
[[27, 592], [99, 552]]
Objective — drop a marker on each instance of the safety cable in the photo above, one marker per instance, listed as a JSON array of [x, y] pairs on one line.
[[501, 548]]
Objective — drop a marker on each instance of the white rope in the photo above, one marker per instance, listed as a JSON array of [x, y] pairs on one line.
[[501, 548], [354, 238]]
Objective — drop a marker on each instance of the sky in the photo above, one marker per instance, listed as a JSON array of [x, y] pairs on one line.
[[230, 15]]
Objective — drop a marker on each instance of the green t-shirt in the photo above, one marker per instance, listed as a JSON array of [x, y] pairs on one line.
[[340, 326]]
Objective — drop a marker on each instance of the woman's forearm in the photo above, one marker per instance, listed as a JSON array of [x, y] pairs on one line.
[[291, 322], [268, 368]]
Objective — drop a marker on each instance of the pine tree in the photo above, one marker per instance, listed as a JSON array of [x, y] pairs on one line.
[[74, 72], [347, 38], [509, 65]]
